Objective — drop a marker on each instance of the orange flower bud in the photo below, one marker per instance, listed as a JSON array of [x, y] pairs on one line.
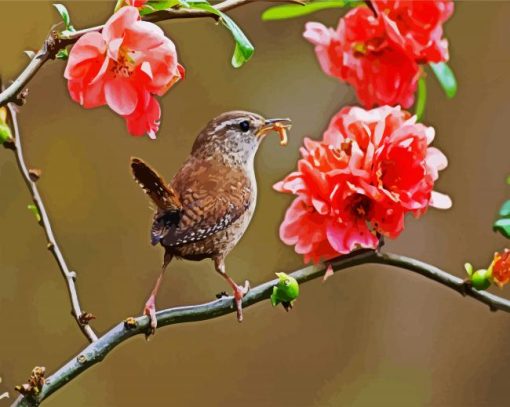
[[501, 268]]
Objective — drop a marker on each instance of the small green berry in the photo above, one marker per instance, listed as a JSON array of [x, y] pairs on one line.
[[480, 279]]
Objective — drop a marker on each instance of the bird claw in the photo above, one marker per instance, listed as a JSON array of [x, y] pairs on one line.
[[239, 293], [150, 311]]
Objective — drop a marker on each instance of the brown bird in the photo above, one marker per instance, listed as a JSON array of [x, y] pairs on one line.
[[206, 208]]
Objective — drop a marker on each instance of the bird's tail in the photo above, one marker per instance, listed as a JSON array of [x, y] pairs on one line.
[[163, 195]]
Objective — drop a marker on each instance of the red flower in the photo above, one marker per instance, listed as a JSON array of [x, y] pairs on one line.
[[379, 55], [417, 26], [501, 268], [360, 53], [123, 67], [370, 170]]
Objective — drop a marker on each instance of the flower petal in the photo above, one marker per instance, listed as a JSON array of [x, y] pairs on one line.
[[440, 201], [121, 96], [117, 24], [143, 35], [89, 48], [145, 118]]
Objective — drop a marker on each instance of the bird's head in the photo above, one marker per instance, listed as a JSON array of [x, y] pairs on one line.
[[234, 137]]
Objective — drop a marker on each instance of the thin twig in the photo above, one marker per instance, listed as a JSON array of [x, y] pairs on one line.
[[55, 42], [53, 246], [97, 351]]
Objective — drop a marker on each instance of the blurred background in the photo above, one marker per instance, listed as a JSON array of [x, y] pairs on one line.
[[369, 336]]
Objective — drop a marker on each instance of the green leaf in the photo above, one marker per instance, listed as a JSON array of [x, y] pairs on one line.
[[505, 209], [62, 10], [32, 208], [421, 99], [244, 49], [286, 11], [446, 78], [156, 5], [62, 54], [502, 226], [508, 180], [469, 268]]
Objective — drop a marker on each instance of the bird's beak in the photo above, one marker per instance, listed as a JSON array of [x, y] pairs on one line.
[[279, 125]]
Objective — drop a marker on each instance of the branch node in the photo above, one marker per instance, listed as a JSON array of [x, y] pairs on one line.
[[10, 145], [21, 98], [466, 286], [81, 359], [35, 382], [35, 174], [85, 318], [52, 45], [130, 323], [50, 246]]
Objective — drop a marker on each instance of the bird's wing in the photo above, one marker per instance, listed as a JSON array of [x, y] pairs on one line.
[[163, 195], [213, 197]]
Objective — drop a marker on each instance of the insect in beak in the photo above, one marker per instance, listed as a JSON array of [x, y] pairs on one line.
[[279, 125]]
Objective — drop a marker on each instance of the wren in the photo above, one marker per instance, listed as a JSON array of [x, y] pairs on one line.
[[206, 208]]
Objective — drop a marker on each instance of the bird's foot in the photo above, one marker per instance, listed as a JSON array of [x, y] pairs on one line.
[[239, 293], [150, 311]]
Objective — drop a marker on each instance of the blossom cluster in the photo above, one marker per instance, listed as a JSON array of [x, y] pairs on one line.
[[369, 170], [125, 67], [379, 51]]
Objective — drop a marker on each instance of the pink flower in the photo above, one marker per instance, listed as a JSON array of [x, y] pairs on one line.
[[417, 26], [124, 67], [370, 170], [360, 53]]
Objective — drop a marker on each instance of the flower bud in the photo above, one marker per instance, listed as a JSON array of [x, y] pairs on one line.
[[480, 279], [5, 131], [500, 268], [286, 291]]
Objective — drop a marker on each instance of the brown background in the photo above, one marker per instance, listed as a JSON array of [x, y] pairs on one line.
[[370, 336]]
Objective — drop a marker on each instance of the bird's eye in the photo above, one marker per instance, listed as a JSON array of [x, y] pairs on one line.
[[244, 125]]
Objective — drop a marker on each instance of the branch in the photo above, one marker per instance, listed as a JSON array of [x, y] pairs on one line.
[[30, 177], [97, 351], [55, 42]]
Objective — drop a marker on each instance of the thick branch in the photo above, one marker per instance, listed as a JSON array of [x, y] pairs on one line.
[[96, 351], [70, 276], [56, 42]]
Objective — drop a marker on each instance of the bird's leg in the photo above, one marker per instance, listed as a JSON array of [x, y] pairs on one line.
[[150, 305], [239, 291]]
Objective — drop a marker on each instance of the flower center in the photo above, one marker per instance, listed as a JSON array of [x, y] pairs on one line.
[[124, 65], [373, 45], [360, 206]]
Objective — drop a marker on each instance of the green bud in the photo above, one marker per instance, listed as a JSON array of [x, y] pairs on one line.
[[33, 208], [5, 133], [480, 279], [286, 291]]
